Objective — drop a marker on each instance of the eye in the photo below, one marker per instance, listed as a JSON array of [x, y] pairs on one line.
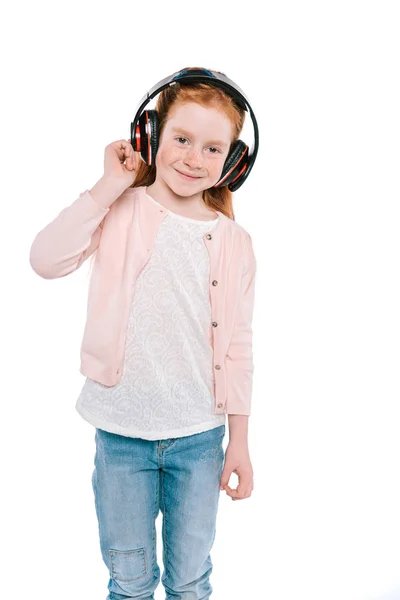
[[214, 150]]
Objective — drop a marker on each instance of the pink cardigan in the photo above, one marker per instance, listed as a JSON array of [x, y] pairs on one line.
[[123, 236]]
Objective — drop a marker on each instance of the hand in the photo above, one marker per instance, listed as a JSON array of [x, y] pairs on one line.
[[237, 460], [115, 156]]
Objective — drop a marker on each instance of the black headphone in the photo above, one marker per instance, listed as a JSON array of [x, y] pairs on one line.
[[145, 125]]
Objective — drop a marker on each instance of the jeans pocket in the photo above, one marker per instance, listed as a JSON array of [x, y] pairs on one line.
[[128, 565]]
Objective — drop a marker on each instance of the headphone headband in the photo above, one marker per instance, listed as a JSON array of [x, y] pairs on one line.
[[214, 78]]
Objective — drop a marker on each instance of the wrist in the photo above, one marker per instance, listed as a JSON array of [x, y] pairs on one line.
[[107, 190], [238, 428]]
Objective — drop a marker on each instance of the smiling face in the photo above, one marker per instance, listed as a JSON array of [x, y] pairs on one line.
[[193, 147]]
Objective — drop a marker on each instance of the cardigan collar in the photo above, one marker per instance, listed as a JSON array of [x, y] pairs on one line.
[[223, 220]]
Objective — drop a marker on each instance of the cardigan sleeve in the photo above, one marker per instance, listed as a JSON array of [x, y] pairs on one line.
[[239, 358], [66, 242]]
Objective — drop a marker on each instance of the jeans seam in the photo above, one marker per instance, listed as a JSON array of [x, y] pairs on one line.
[[156, 503], [164, 528]]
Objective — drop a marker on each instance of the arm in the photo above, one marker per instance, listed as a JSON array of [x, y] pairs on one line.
[[66, 242], [239, 358], [238, 428], [239, 364]]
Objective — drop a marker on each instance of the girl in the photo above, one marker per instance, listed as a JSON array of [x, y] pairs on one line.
[[167, 347]]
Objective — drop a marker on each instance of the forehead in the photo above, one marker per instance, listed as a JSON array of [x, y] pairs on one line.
[[199, 120]]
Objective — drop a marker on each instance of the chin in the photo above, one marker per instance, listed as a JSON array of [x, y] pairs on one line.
[[183, 191], [185, 188]]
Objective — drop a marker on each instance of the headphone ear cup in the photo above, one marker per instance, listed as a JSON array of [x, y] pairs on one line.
[[145, 136], [235, 164]]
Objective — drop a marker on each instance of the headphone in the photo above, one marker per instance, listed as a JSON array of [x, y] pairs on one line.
[[145, 125]]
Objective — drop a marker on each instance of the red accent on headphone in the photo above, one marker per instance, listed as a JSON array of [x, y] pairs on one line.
[[240, 172], [138, 140]]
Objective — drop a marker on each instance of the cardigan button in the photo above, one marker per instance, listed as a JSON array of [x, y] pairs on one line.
[[209, 236], [220, 405], [214, 323], [217, 366], [215, 282]]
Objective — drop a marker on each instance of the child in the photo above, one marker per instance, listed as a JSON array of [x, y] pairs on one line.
[[167, 347]]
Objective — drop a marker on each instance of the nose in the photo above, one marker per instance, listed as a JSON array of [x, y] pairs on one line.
[[193, 158]]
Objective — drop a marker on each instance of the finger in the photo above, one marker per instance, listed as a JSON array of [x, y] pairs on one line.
[[131, 160], [240, 492], [230, 491], [237, 494], [119, 148], [129, 150], [127, 145], [122, 146], [246, 494], [126, 153], [128, 158], [245, 486]]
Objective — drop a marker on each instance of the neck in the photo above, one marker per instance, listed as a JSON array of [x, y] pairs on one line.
[[190, 206]]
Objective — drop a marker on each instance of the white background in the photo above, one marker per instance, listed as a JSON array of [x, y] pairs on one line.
[[322, 207]]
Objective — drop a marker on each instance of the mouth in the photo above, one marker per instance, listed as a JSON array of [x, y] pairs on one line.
[[187, 177]]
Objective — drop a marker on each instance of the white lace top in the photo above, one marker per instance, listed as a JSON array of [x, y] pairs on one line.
[[167, 385]]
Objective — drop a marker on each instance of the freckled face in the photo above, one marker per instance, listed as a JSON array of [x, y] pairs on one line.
[[193, 148]]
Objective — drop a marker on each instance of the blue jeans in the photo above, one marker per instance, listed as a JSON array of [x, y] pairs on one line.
[[133, 479]]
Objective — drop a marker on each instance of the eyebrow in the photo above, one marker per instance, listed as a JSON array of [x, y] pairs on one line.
[[180, 130]]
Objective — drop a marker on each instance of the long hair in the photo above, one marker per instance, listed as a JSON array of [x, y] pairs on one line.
[[207, 96]]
